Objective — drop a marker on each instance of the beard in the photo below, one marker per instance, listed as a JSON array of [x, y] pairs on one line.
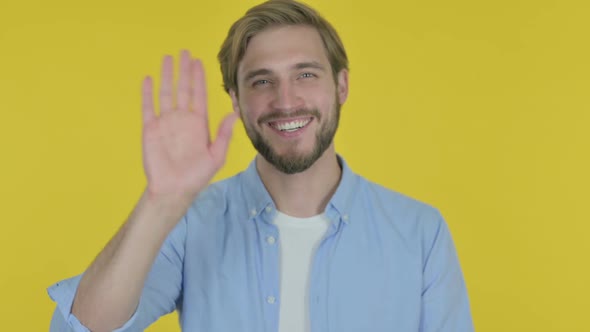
[[292, 163]]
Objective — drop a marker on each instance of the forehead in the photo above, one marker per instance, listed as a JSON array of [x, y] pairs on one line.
[[279, 48]]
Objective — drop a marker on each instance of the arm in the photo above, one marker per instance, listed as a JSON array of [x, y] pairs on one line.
[[159, 296], [179, 162], [110, 289]]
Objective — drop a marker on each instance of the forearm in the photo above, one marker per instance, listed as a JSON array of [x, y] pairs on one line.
[[110, 289]]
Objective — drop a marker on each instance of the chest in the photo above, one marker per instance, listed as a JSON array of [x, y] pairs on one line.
[[358, 280]]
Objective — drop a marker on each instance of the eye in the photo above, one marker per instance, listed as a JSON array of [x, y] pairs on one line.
[[260, 82], [307, 75]]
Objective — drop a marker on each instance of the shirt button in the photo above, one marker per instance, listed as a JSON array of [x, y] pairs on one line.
[[253, 212], [271, 240], [270, 299], [345, 217], [268, 209]]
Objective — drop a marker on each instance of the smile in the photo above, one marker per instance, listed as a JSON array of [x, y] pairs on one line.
[[290, 125]]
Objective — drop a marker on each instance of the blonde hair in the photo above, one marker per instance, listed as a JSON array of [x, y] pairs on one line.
[[274, 13]]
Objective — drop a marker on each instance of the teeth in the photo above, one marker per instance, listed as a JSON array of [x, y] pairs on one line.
[[291, 125]]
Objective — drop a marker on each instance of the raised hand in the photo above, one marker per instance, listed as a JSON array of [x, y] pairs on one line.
[[178, 155]]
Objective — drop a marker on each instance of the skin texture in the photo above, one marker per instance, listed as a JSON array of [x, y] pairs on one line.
[[180, 159]]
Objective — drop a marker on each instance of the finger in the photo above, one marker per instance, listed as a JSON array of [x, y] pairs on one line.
[[221, 144], [147, 100], [167, 85], [199, 89], [183, 90]]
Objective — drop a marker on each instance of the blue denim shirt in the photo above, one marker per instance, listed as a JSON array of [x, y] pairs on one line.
[[387, 263]]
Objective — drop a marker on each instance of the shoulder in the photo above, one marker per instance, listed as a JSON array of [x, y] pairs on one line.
[[394, 207], [215, 197]]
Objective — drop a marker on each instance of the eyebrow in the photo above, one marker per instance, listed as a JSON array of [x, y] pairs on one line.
[[301, 65], [311, 64]]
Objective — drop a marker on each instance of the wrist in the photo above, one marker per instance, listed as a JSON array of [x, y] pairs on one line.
[[162, 209]]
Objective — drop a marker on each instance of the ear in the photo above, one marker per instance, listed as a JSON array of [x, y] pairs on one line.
[[342, 88], [234, 101]]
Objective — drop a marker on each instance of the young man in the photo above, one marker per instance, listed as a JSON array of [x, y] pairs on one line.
[[297, 242]]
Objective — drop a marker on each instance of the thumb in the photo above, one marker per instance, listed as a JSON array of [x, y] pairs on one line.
[[220, 145]]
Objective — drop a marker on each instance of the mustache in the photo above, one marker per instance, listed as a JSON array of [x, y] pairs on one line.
[[279, 115]]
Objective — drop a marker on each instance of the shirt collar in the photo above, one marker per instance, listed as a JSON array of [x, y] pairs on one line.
[[257, 197]]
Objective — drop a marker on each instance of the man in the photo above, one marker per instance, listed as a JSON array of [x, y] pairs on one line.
[[297, 242]]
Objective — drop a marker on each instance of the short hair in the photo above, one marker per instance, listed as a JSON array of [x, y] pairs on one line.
[[276, 13]]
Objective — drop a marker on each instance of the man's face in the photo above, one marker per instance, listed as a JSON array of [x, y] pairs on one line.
[[288, 100]]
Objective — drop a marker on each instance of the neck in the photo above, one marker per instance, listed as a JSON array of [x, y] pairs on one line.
[[304, 194]]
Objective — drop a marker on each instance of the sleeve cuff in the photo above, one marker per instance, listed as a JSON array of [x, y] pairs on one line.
[[63, 293]]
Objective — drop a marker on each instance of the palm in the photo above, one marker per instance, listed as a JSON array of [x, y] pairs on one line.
[[179, 157]]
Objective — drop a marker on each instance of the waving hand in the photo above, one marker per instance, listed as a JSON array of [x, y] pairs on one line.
[[178, 154]]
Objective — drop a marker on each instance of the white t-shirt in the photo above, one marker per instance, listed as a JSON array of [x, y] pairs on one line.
[[298, 241]]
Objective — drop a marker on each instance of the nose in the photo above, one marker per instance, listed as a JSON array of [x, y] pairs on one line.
[[287, 97]]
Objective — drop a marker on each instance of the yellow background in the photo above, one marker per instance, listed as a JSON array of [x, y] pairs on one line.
[[480, 108]]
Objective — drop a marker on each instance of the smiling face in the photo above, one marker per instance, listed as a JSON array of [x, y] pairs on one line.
[[288, 99]]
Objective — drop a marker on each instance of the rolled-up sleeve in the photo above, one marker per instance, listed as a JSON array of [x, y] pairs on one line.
[[159, 297]]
